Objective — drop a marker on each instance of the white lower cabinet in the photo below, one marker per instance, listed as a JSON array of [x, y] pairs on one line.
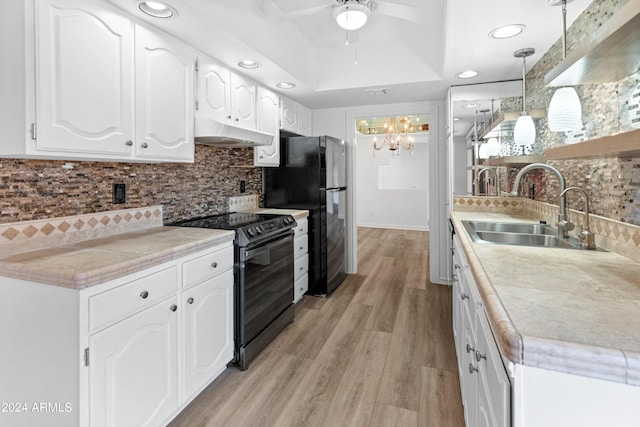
[[484, 383], [207, 350], [301, 260], [134, 370], [132, 351]]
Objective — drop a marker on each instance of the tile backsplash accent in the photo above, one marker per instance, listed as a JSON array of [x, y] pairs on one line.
[[38, 234], [616, 236], [41, 189]]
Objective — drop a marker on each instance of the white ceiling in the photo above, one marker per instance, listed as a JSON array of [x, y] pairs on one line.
[[417, 58]]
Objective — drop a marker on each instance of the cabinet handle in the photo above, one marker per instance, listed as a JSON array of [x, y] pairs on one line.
[[190, 301], [454, 278], [301, 248], [456, 266], [301, 268], [229, 117], [144, 145], [214, 264], [144, 294], [129, 143], [173, 308], [301, 289], [472, 368], [464, 296], [480, 356], [237, 119], [470, 349]]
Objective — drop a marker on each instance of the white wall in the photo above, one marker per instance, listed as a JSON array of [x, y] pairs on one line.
[[392, 188], [340, 122]]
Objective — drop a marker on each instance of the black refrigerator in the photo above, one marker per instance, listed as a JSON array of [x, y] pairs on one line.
[[312, 176]]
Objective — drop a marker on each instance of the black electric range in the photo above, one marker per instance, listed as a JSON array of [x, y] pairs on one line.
[[263, 274]]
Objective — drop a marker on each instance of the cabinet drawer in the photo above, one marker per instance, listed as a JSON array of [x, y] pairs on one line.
[[301, 267], [302, 227], [131, 298], [300, 287], [300, 246], [207, 265]]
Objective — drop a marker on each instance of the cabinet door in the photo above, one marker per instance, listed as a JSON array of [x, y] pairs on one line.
[[268, 121], [133, 369], [208, 331], [84, 79], [164, 98], [289, 115], [214, 91], [243, 102], [304, 120]]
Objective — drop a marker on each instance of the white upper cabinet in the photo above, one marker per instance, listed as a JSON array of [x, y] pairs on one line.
[[225, 96], [304, 120], [289, 115], [268, 121], [85, 79], [243, 101], [164, 97], [85, 85], [296, 117], [214, 91]]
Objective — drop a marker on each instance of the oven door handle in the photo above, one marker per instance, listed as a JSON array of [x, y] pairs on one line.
[[248, 254]]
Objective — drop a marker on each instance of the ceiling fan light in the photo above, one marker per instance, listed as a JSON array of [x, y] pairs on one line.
[[351, 16], [525, 131], [565, 111]]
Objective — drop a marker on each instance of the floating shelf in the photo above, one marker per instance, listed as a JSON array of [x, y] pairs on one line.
[[505, 123], [612, 54], [514, 161], [622, 144]]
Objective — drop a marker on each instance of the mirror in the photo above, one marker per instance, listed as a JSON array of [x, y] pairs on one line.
[[466, 106]]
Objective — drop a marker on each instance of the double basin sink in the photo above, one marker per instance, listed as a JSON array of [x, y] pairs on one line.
[[522, 234]]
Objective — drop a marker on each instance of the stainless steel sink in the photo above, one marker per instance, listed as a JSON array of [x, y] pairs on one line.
[[525, 239], [522, 234]]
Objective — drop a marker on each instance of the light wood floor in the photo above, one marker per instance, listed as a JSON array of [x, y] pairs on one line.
[[378, 352]]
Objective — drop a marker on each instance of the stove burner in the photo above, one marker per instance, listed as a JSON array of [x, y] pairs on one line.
[[249, 227]]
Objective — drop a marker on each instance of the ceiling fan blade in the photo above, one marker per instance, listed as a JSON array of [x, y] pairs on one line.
[[274, 13], [304, 12], [408, 13]]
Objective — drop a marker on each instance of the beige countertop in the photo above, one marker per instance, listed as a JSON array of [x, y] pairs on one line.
[[569, 310], [295, 213], [87, 263]]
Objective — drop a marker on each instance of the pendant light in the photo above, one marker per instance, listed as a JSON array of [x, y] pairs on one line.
[[525, 131], [565, 110]]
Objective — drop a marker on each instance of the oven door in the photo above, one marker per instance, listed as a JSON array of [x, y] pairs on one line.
[[265, 286]]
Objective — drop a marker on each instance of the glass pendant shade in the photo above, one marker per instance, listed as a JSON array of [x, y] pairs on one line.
[[483, 151], [525, 131], [493, 147], [565, 111]]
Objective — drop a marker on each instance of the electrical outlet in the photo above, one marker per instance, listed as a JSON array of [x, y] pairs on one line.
[[119, 193]]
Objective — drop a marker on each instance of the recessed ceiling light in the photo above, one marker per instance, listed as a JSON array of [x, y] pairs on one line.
[[469, 106], [507, 31], [285, 85], [467, 74], [157, 9], [249, 64]]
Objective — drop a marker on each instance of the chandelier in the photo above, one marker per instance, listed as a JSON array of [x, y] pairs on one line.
[[395, 139]]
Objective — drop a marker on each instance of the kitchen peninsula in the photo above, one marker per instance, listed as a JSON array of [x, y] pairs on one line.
[[564, 332]]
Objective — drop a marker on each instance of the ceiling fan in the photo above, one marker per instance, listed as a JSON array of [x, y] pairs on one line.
[[353, 14]]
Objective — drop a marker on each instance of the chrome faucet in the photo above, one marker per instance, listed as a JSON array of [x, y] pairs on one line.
[[564, 226], [586, 236], [495, 179]]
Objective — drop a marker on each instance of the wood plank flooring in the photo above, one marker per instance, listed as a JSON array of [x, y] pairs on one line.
[[378, 352]]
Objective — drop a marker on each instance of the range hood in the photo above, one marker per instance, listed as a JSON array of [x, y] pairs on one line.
[[212, 132]]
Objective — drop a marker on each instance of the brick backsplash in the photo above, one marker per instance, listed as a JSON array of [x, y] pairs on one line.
[[612, 183], [41, 189]]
